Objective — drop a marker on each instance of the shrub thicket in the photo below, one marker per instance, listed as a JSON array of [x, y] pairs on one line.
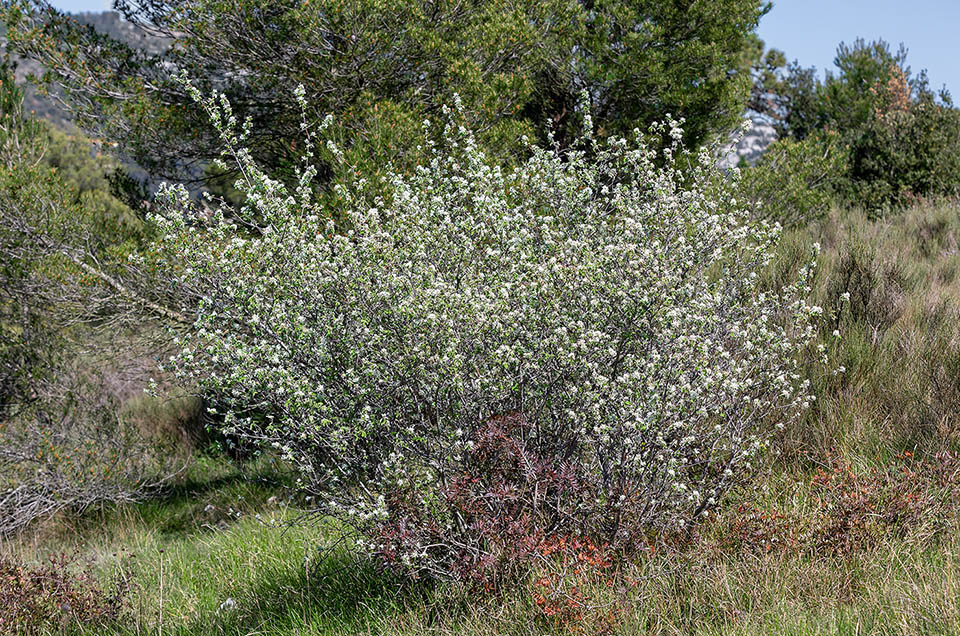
[[794, 182], [58, 596], [63, 241], [490, 358]]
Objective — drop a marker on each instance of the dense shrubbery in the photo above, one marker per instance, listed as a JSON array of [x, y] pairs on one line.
[[489, 358], [56, 216], [63, 241], [794, 182], [525, 370], [902, 139]]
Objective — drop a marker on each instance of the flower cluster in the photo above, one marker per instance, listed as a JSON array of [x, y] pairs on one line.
[[598, 294]]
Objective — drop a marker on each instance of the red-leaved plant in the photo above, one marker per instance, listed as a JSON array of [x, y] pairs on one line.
[[58, 595]]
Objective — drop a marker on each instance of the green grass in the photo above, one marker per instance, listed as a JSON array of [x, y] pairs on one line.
[[224, 535], [281, 585], [189, 551], [188, 559]]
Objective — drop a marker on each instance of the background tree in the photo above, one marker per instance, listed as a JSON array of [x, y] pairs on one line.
[[381, 68], [902, 137], [63, 245]]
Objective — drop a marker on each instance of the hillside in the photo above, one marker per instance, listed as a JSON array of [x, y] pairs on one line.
[[109, 23]]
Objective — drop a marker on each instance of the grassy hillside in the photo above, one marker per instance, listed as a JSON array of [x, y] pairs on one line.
[[851, 529]]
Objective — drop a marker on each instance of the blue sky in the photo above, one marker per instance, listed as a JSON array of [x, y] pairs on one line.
[[76, 6], [809, 30]]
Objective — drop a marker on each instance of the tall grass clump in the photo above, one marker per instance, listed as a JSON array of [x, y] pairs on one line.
[[901, 333], [487, 362]]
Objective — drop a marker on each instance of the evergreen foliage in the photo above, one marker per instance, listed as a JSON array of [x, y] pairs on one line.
[[381, 67], [902, 138], [794, 182]]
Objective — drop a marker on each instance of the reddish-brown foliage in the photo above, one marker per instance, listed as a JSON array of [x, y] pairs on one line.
[[494, 518], [854, 510], [56, 595]]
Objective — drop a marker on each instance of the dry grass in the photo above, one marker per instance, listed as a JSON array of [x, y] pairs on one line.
[[901, 335], [852, 530]]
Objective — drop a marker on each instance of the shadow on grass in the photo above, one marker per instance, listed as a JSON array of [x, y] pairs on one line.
[[211, 502], [195, 504], [342, 595]]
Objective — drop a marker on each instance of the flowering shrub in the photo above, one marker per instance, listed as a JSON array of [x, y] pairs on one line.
[[576, 346]]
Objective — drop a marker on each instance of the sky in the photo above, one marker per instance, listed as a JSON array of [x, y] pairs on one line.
[[78, 6], [809, 31]]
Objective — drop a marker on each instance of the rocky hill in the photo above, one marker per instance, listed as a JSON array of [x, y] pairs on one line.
[[749, 148], [107, 22]]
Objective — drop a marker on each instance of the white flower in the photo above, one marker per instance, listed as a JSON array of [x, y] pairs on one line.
[[384, 350]]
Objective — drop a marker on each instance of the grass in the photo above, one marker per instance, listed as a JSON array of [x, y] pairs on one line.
[[900, 340], [852, 529], [279, 584]]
